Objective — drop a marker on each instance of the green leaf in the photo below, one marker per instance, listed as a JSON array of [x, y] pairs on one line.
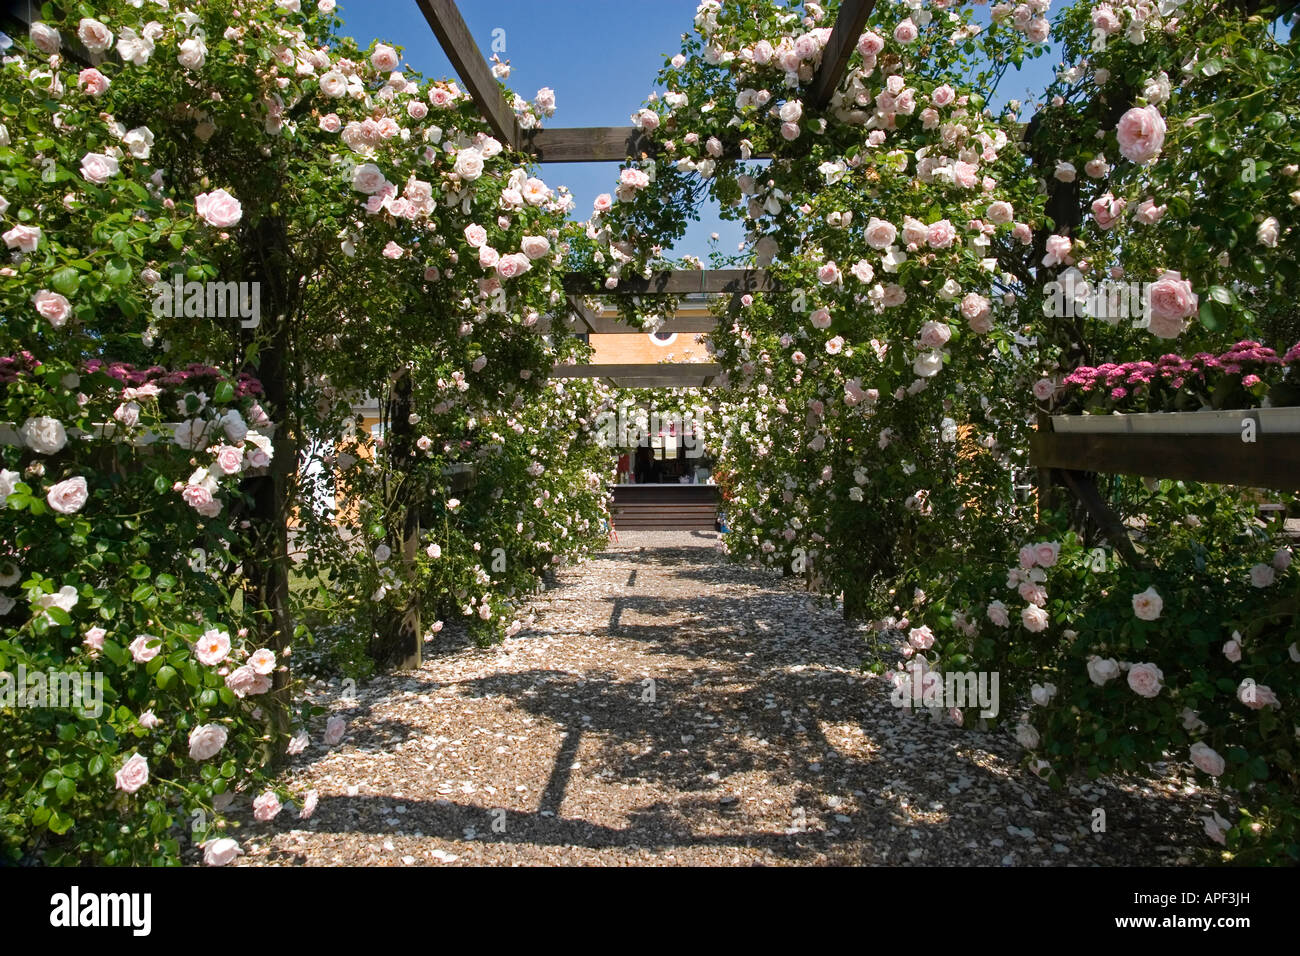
[[165, 676]]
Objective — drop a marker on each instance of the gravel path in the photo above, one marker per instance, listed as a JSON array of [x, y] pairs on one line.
[[667, 707]]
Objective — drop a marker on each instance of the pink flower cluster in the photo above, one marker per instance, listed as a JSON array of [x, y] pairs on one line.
[[1153, 386]]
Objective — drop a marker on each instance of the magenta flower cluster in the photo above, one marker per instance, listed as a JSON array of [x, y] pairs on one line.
[[1246, 367]]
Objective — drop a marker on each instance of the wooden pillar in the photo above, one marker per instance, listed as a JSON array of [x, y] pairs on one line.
[[400, 642]]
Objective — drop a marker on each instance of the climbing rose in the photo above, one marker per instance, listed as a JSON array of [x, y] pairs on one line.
[[1172, 302], [218, 208], [220, 852], [1034, 618], [1145, 679], [213, 647], [206, 741], [133, 774], [1102, 669], [68, 497], [266, 807], [1141, 134], [1148, 605]]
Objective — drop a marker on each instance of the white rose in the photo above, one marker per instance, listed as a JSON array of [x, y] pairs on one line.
[[469, 164], [206, 741], [68, 497], [1101, 670], [44, 435]]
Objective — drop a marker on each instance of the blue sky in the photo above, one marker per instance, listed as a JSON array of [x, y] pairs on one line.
[[601, 58]]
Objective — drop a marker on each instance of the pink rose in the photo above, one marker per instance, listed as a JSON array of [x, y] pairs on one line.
[[213, 647], [1172, 302], [1145, 679], [229, 459], [1148, 605], [1232, 651], [149, 721], [1034, 619], [1027, 557], [309, 805], [997, 613], [1107, 210], [941, 234], [974, 306], [242, 681], [220, 852], [488, 257], [935, 335], [53, 307], [266, 806], [1046, 553], [92, 82], [943, 95], [880, 234], [384, 58], [133, 774], [23, 238], [206, 741], [1058, 250], [1000, 212], [905, 32], [535, 247], [262, 660], [1044, 389], [1262, 576], [218, 208], [1148, 213], [98, 168], [1256, 696], [475, 235], [1207, 760], [68, 497], [821, 319], [515, 264], [335, 728], [829, 274], [922, 638], [1102, 669], [1141, 134], [145, 648], [869, 44], [94, 639]]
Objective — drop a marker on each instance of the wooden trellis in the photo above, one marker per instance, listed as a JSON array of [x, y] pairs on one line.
[[617, 144]]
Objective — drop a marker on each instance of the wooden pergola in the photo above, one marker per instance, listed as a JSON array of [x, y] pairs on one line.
[[617, 144]]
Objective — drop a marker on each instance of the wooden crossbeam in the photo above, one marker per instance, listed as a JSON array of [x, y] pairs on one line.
[[592, 144], [587, 144], [850, 23], [679, 282], [457, 42], [665, 373], [689, 324], [1271, 461]]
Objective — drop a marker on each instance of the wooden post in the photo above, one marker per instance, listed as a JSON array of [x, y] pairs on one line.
[[400, 643], [267, 567]]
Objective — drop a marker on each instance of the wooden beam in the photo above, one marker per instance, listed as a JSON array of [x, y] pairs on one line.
[[1271, 461], [690, 324], [458, 43], [679, 282], [587, 144], [665, 371], [592, 144], [850, 23]]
